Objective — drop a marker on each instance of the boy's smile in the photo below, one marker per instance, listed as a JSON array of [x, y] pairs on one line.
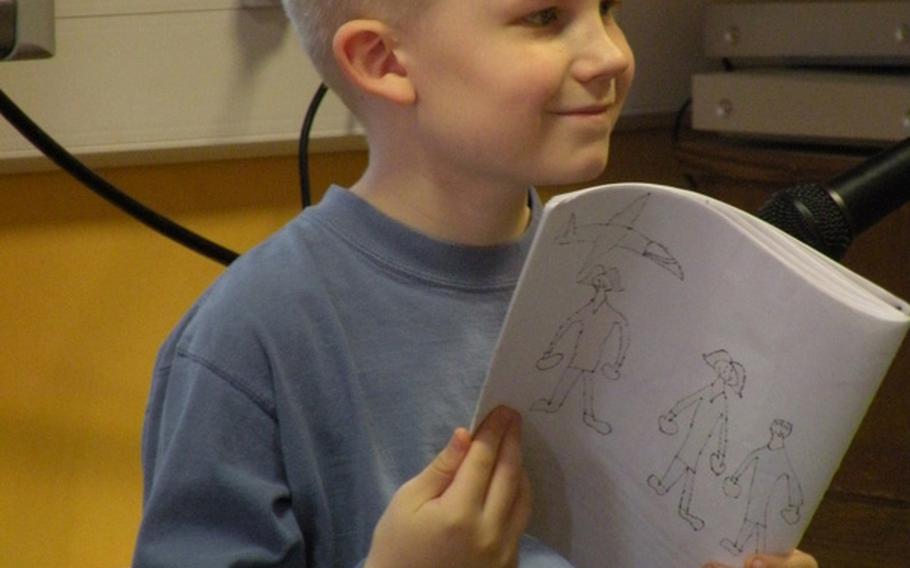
[[584, 105], [594, 114]]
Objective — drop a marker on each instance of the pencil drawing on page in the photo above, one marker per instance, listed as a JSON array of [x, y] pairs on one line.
[[708, 415], [592, 342], [618, 234], [599, 338], [769, 464]]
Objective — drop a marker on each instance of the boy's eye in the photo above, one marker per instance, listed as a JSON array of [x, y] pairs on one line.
[[542, 18], [549, 16]]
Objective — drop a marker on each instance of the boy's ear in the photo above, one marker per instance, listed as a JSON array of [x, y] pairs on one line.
[[365, 53]]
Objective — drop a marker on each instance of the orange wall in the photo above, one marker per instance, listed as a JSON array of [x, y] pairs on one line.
[[86, 298]]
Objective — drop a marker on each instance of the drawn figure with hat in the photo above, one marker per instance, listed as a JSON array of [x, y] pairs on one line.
[[708, 418], [598, 338]]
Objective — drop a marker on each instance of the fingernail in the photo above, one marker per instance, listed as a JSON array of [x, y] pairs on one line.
[[758, 563]]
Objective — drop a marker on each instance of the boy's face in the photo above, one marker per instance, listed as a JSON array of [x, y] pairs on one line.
[[518, 91]]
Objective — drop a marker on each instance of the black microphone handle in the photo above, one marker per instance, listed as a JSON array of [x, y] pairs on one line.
[[874, 188]]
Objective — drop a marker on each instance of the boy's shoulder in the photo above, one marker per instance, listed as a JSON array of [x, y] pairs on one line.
[[278, 291], [260, 299]]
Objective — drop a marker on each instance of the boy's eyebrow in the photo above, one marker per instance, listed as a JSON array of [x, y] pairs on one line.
[[531, 5], [510, 6], [536, 4]]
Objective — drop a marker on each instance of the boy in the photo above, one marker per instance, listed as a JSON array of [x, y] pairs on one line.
[[327, 367]]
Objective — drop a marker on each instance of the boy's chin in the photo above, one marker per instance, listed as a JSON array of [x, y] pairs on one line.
[[584, 172]]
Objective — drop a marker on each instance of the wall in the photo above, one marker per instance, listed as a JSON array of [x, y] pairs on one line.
[[86, 298]]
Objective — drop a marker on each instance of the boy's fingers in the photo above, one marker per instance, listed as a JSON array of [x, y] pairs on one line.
[[436, 477], [473, 478], [521, 510], [796, 559], [515, 526], [507, 477]]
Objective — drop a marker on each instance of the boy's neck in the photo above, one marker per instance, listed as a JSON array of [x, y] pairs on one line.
[[465, 212]]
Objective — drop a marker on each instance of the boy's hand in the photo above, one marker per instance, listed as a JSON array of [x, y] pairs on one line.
[[468, 508], [795, 559]]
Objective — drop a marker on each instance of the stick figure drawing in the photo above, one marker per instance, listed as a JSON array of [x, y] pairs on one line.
[[708, 420], [598, 339], [593, 341], [769, 464]]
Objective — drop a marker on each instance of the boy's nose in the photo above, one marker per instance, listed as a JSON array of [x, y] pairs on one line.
[[602, 53]]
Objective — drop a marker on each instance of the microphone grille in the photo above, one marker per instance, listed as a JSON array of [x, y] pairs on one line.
[[809, 213]]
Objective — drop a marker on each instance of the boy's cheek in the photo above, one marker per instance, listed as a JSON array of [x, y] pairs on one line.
[[536, 80]]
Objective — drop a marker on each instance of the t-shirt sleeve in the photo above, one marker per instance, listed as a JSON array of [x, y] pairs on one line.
[[215, 488]]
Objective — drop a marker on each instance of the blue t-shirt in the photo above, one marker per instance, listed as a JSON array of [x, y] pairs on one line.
[[325, 368]]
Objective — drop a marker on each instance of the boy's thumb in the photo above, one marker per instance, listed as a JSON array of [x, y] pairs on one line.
[[436, 477]]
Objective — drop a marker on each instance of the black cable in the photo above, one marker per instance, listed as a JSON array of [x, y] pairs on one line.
[[304, 146], [66, 161], [678, 120]]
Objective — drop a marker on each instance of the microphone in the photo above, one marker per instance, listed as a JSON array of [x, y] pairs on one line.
[[827, 216]]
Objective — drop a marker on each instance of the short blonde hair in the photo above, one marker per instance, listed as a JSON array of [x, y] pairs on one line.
[[316, 22]]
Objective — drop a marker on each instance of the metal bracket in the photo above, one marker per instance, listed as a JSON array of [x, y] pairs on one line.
[[26, 29], [7, 27]]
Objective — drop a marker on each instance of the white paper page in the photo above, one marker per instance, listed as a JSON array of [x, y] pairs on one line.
[[821, 270], [674, 337]]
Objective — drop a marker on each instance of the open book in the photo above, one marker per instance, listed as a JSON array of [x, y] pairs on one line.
[[690, 377]]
